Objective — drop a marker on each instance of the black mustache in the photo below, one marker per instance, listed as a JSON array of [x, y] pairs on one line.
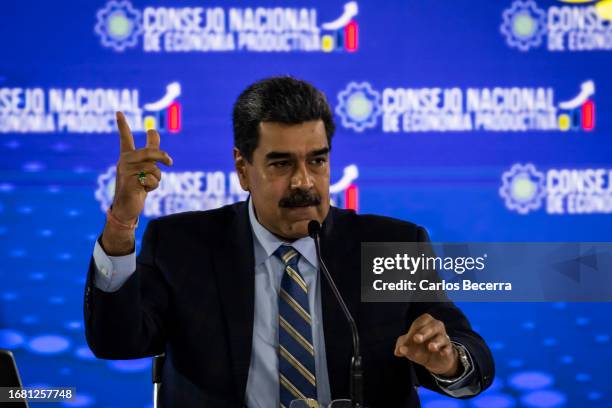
[[300, 198]]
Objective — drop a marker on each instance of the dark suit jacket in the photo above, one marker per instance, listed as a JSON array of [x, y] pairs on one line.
[[192, 297]]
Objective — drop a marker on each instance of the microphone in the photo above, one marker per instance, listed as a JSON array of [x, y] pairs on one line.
[[314, 229]]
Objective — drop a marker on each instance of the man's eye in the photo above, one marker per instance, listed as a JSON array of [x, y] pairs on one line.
[[319, 160], [280, 163]]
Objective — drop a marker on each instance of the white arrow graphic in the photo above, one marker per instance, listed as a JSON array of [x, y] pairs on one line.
[[350, 10], [350, 174], [173, 91], [586, 91]]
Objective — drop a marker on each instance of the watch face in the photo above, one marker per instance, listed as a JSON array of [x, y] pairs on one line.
[[465, 362], [464, 359]]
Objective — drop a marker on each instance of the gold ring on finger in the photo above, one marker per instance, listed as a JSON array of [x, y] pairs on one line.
[[142, 178]]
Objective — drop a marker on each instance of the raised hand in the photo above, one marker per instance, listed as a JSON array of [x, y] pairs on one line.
[[137, 172], [137, 175]]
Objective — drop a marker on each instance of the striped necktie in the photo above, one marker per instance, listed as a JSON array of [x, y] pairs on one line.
[[296, 364]]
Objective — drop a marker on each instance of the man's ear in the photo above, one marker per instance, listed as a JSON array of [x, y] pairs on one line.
[[240, 163]]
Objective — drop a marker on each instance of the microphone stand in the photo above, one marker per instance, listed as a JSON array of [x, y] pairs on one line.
[[356, 374]]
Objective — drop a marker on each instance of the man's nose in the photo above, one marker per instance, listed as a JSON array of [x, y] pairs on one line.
[[302, 178]]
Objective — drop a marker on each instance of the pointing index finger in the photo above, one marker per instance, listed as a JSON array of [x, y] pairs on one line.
[[126, 141]]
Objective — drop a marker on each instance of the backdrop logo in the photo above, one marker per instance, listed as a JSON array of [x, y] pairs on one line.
[[496, 109], [199, 191], [572, 25], [165, 113], [524, 25], [218, 29], [564, 191], [523, 188], [86, 110], [359, 106], [119, 25]]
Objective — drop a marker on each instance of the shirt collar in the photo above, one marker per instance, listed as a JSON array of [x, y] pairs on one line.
[[266, 243]]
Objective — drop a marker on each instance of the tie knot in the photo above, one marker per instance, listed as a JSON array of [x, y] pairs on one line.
[[288, 255]]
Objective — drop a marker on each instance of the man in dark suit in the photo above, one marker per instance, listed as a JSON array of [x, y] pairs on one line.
[[233, 295]]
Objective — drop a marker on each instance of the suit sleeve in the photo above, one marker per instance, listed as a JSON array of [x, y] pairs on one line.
[[459, 330], [130, 322]]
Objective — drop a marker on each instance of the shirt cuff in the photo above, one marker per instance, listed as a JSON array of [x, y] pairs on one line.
[[112, 271], [463, 386]]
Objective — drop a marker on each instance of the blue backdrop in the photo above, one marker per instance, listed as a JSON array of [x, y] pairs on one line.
[[481, 120]]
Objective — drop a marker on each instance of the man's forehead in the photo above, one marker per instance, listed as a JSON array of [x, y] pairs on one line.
[[304, 138], [310, 126]]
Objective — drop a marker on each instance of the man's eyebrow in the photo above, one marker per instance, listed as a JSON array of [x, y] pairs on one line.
[[319, 152], [278, 155], [287, 155]]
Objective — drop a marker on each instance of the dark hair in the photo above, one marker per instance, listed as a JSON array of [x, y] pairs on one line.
[[277, 99]]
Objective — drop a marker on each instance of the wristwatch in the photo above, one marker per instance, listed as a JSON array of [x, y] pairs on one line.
[[464, 359]]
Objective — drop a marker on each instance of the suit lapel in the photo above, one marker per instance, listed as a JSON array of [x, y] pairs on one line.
[[234, 266]]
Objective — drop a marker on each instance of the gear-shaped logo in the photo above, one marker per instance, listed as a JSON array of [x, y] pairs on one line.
[[359, 106], [523, 188], [106, 188], [119, 25], [524, 25]]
